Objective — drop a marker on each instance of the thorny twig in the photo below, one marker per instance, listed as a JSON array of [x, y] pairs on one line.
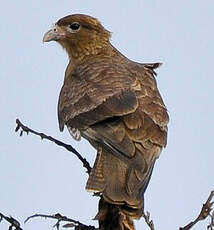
[[204, 213], [44, 136], [71, 222], [14, 224]]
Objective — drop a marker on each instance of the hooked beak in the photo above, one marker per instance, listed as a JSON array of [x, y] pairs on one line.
[[53, 35]]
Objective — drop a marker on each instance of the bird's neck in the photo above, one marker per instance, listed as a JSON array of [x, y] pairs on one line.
[[77, 53]]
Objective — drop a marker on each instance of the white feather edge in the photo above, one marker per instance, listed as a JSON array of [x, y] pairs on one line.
[[75, 133]]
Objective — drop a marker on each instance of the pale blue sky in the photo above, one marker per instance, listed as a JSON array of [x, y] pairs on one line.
[[37, 176]]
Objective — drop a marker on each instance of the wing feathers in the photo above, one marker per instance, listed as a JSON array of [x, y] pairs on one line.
[[121, 112], [122, 103]]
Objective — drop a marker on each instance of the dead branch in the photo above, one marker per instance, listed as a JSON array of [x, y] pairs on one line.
[[148, 221], [204, 213], [71, 222], [60, 143], [14, 224]]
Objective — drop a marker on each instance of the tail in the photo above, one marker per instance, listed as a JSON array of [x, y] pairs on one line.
[[122, 185], [114, 179]]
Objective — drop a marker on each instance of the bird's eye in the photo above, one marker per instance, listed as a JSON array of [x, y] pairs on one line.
[[74, 26]]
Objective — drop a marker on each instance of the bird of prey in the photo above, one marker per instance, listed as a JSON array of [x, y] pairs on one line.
[[115, 104]]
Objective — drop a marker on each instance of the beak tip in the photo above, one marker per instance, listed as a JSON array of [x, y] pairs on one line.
[[48, 36], [53, 35], [44, 40]]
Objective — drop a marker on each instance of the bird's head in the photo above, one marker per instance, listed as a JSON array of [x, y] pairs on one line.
[[79, 34]]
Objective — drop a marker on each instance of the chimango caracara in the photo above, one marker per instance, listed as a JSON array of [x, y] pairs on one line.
[[114, 103]]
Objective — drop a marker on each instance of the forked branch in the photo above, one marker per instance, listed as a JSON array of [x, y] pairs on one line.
[[14, 224], [71, 223], [206, 211]]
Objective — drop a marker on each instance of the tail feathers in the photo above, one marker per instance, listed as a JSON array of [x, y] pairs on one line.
[[109, 176], [96, 180]]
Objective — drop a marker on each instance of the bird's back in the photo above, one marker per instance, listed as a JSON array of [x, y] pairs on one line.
[[116, 105]]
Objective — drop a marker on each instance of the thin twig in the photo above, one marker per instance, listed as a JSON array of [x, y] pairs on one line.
[[14, 224], [149, 222], [60, 143], [204, 213], [72, 223]]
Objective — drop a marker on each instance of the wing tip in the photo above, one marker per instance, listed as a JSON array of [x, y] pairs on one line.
[[157, 65], [153, 65]]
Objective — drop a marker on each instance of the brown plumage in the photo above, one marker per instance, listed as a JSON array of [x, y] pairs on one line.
[[114, 103]]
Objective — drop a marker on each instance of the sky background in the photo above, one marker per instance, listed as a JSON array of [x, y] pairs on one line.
[[38, 176]]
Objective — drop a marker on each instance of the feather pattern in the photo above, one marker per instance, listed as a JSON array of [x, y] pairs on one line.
[[115, 104]]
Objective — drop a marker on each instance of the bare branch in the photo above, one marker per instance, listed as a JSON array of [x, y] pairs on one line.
[[14, 224], [206, 210], [204, 213], [44, 136], [72, 223], [149, 222]]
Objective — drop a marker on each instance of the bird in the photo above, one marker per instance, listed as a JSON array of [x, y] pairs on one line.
[[114, 103]]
